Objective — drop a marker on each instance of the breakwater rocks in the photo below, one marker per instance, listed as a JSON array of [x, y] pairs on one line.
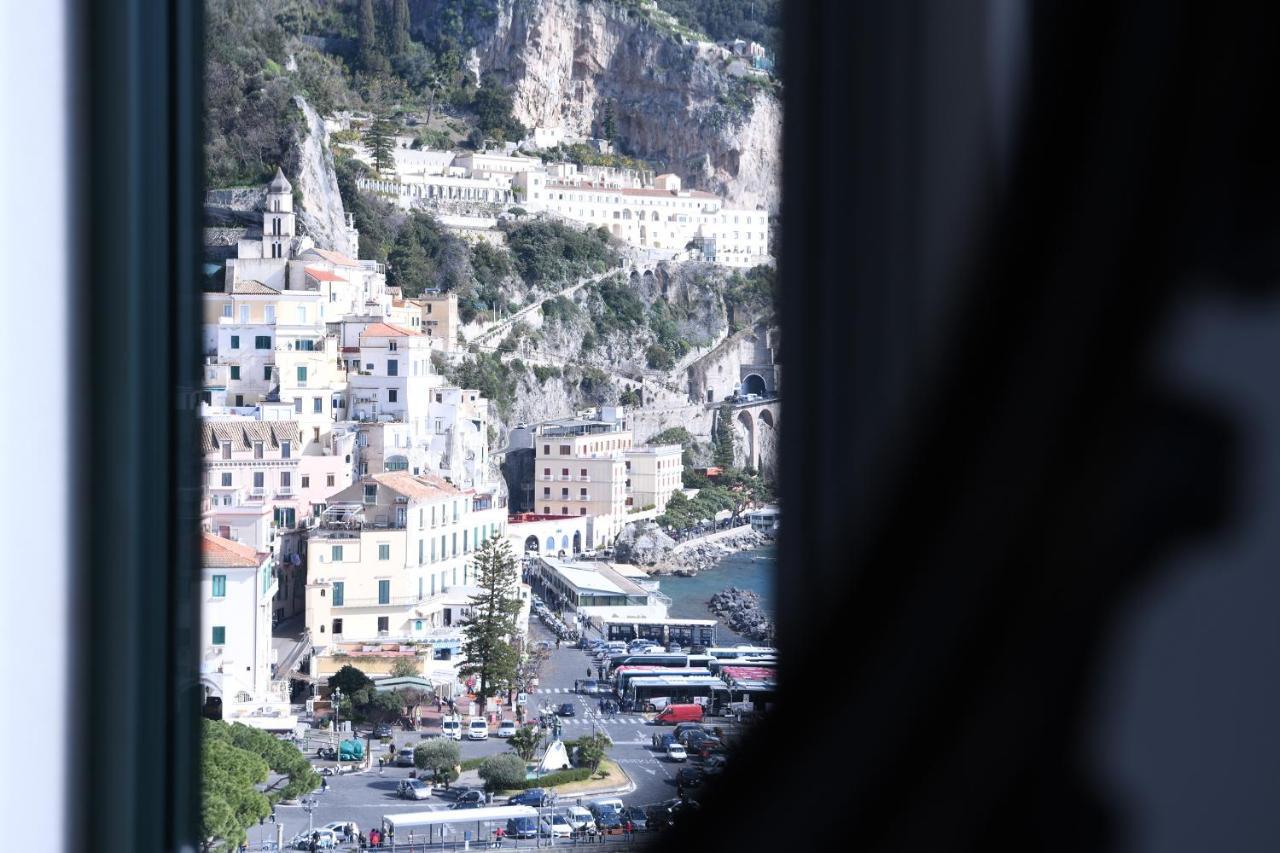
[[693, 556], [742, 611]]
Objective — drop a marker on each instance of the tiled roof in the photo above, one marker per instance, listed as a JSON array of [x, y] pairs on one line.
[[242, 434], [420, 486], [251, 286], [219, 553], [387, 330], [323, 275], [334, 257]]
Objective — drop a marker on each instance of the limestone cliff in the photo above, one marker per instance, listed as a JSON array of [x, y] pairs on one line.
[[320, 212], [675, 101]]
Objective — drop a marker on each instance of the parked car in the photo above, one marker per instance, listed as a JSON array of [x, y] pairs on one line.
[[477, 729], [676, 752], [566, 710], [665, 814], [683, 728], [404, 758], [522, 827], [462, 794], [536, 797], [326, 839], [451, 727], [467, 804], [382, 730], [556, 826], [506, 728], [343, 828], [635, 814], [714, 764], [608, 821], [689, 779], [413, 789]]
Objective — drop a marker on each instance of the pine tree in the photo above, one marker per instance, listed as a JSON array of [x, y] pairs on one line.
[[489, 630], [399, 27], [379, 138]]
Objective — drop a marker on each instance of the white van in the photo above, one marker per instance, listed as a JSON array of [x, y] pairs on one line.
[[477, 729], [607, 803], [451, 727]]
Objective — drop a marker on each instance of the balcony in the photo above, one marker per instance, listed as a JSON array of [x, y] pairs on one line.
[[285, 491], [257, 492], [582, 479], [394, 601]]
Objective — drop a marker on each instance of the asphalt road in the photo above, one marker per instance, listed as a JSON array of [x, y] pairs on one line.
[[366, 797]]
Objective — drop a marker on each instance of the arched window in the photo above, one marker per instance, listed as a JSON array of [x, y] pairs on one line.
[[397, 463], [551, 543]]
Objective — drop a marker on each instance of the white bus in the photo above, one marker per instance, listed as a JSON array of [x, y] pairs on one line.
[[723, 653], [642, 692]]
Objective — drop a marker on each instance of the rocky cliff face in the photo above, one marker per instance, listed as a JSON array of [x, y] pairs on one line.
[[320, 212], [674, 101]]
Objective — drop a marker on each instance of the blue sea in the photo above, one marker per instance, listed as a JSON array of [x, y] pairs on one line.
[[753, 570]]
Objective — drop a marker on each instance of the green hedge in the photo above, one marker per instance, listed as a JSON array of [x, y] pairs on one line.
[[559, 777]]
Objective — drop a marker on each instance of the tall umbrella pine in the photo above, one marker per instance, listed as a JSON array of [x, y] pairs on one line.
[[490, 628]]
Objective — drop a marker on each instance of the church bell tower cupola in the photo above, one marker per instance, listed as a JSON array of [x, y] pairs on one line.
[[278, 218]]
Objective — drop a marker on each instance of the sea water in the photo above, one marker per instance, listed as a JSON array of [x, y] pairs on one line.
[[752, 570]]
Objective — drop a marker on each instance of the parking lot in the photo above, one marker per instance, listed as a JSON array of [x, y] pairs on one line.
[[366, 797]]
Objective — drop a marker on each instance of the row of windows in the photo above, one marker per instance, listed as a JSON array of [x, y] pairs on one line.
[[268, 313], [286, 449]]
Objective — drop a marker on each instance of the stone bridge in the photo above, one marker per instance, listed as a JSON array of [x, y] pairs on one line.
[[755, 423]]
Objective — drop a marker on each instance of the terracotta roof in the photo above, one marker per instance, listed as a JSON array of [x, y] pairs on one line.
[[242, 434], [420, 486], [333, 257], [251, 286], [387, 330], [219, 553], [323, 275]]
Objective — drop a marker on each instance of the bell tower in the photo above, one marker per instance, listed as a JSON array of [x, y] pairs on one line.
[[277, 220]]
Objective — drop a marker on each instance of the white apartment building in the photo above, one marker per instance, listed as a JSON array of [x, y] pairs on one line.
[[663, 217], [392, 374], [458, 436], [580, 469], [236, 589], [251, 481], [387, 552], [654, 473]]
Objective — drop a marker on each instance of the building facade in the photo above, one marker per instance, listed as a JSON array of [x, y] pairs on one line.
[[236, 588]]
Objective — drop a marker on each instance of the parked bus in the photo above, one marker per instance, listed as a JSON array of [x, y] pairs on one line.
[[717, 666], [663, 632], [673, 660], [626, 674], [723, 653], [643, 692]]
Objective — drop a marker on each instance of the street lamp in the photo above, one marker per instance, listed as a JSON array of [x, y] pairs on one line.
[[309, 805], [337, 738]]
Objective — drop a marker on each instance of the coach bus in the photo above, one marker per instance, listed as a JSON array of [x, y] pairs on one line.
[[665, 632], [723, 653], [624, 675], [647, 692], [673, 661]]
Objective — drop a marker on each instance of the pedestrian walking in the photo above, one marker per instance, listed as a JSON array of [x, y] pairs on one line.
[[588, 672], [381, 763], [324, 784]]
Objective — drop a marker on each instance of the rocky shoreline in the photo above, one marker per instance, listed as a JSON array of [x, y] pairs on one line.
[[742, 611], [647, 546]]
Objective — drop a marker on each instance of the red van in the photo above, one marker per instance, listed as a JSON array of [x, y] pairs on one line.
[[673, 714]]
